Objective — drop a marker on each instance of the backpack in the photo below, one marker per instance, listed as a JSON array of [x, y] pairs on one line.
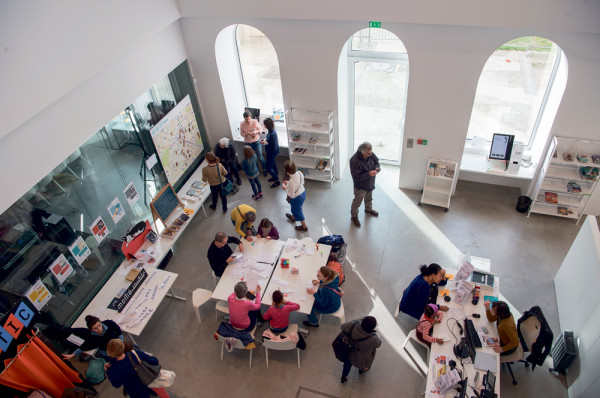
[[95, 371], [337, 267], [343, 344], [338, 246]]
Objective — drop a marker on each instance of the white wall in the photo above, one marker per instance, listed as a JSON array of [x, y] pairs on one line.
[[578, 299]]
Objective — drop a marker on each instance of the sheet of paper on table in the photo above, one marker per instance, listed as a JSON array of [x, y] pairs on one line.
[[446, 381], [279, 282], [464, 271], [251, 280], [266, 257]]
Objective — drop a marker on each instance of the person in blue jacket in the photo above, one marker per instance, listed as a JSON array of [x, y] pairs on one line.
[[120, 371], [415, 296], [272, 149], [328, 296]]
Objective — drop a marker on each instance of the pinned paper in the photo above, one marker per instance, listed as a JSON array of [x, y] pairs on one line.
[[131, 194], [115, 210], [79, 250], [61, 269], [99, 229], [39, 295]]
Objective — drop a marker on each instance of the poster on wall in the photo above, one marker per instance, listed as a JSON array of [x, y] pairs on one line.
[[116, 210], [39, 295], [61, 269], [99, 229], [131, 194], [80, 250]]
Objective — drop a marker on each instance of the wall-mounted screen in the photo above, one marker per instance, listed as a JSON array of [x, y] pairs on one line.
[[501, 146], [177, 140], [165, 203]]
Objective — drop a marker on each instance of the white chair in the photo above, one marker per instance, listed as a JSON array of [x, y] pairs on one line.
[[238, 344], [222, 306], [199, 297], [397, 312], [339, 314], [215, 278], [530, 330], [282, 345], [413, 336]]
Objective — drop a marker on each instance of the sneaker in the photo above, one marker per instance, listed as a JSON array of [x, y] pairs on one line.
[[260, 195], [275, 184], [372, 212], [355, 221], [301, 228], [310, 325], [255, 197], [213, 207]]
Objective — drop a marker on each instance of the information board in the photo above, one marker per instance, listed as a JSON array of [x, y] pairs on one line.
[[165, 203]]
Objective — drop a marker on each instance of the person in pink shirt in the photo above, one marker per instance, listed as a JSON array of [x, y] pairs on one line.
[[250, 129], [279, 313], [242, 310], [431, 316]]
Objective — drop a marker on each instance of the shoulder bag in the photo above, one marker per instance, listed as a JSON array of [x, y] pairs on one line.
[[145, 372], [343, 344], [227, 186]]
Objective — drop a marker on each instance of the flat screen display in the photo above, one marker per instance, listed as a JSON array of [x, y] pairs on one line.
[[501, 146]]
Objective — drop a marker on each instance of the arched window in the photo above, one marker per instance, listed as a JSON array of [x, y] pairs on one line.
[[249, 72], [520, 87]]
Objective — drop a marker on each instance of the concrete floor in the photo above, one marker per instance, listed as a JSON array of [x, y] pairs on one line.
[[383, 256]]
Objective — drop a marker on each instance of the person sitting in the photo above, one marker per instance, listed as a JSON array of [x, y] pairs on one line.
[[507, 329], [336, 266], [97, 335], [219, 252], [279, 313], [242, 218], [328, 296], [243, 311], [366, 341], [267, 230], [121, 372], [415, 296], [430, 317], [225, 151]]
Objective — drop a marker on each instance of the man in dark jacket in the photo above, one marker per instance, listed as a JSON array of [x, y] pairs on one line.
[[364, 166], [219, 252]]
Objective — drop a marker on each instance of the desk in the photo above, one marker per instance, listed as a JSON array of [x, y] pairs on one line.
[[444, 329], [308, 267]]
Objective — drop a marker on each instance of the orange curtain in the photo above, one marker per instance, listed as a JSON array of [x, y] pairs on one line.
[[37, 367]]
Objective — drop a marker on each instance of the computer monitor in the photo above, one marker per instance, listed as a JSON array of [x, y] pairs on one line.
[[254, 113], [501, 146]]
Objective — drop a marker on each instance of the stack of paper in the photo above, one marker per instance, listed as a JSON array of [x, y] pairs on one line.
[[446, 381]]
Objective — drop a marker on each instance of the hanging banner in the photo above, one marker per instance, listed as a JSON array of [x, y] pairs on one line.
[[38, 294], [131, 194], [61, 269], [99, 229], [115, 210], [80, 250]]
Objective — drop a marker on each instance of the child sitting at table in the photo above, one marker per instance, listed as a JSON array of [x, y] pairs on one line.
[[431, 316], [279, 313], [267, 230]]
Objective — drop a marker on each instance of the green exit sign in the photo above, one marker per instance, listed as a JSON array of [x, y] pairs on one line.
[[374, 24]]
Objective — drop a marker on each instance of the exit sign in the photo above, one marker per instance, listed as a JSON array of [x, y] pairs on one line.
[[374, 24]]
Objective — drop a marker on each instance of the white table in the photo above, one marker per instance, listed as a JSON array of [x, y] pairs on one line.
[[444, 329], [308, 266]]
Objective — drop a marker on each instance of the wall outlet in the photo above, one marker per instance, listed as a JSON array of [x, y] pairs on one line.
[[409, 142]]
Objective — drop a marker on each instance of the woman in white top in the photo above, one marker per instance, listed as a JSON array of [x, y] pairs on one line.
[[250, 129], [296, 194]]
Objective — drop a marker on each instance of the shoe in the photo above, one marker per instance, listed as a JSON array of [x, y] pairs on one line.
[[361, 371], [224, 211], [259, 195], [272, 179], [213, 207], [275, 184], [344, 379], [290, 217], [310, 325], [301, 228], [264, 173], [239, 182], [255, 197], [372, 212], [355, 221]]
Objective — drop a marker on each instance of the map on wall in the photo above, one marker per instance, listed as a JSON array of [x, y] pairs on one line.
[[177, 140]]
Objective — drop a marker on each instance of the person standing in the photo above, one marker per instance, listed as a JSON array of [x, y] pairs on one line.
[[121, 372], [364, 166], [296, 194], [219, 252], [272, 150], [250, 167], [225, 151], [366, 341], [250, 130], [215, 174]]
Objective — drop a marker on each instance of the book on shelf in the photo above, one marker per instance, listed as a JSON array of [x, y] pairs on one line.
[[322, 164], [303, 170], [313, 140], [589, 173], [568, 156], [564, 211], [295, 137], [299, 151], [596, 159], [573, 187], [450, 173], [198, 184], [582, 158], [551, 197]]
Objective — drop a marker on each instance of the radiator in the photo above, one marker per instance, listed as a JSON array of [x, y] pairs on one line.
[[563, 352]]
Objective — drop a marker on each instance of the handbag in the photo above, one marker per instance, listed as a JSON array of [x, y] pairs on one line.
[[95, 371], [165, 379], [226, 187], [145, 372], [343, 344]]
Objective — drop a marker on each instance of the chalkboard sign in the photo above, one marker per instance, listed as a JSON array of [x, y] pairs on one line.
[[165, 203]]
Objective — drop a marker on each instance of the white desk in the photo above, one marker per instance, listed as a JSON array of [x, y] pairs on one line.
[[443, 329], [308, 267]]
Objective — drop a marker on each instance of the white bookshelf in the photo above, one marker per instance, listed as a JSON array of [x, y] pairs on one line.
[[311, 144], [440, 181], [550, 195]]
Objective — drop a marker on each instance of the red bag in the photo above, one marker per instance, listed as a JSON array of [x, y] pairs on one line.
[[335, 266], [161, 392]]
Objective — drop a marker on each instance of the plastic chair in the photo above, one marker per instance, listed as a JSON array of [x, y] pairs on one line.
[[530, 330], [339, 314], [282, 345], [199, 297], [413, 336], [222, 306], [215, 278], [397, 312], [238, 345]]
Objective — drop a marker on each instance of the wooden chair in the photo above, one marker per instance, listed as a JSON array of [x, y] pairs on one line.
[[238, 345], [282, 345], [199, 297]]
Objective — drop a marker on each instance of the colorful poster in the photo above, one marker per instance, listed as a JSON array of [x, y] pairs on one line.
[[99, 229], [116, 210], [131, 194], [39, 295], [80, 250], [61, 269]]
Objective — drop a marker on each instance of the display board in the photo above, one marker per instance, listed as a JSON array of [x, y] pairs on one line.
[[165, 203], [177, 140]]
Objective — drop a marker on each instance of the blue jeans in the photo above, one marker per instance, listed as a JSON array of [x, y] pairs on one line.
[[258, 150], [255, 182], [272, 167], [346, 369], [297, 204], [278, 330]]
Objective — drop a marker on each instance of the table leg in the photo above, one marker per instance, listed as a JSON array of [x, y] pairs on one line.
[[204, 210], [130, 336], [173, 295]]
